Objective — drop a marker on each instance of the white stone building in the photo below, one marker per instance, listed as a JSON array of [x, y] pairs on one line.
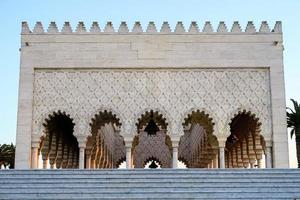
[[207, 97]]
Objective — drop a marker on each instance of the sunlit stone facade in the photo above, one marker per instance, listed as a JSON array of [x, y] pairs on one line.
[[97, 98]]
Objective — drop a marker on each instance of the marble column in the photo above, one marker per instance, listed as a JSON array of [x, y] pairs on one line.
[[128, 157], [175, 143], [81, 157], [222, 143], [82, 145], [222, 157], [34, 158], [175, 157], [35, 145], [128, 147]]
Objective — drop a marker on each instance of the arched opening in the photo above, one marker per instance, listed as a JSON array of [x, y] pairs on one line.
[[105, 147], [198, 147], [59, 147], [152, 140], [152, 163], [245, 146]]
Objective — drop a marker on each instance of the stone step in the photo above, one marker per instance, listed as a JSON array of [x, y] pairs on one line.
[[151, 184], [153, 171], [149, 177], [157, 195], [170, 180], [162, 189]]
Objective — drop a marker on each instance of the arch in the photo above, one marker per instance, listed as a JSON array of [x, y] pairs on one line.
[[234, 113], [105, 146], [59, 145], [154, 159], [245, 145], [205, 111], [165, 115], [151, 139], [201, 114], [198, 147], [147, 116], [38, 127], [103, 109]]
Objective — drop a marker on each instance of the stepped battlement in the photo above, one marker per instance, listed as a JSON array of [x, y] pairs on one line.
[[152, 29]]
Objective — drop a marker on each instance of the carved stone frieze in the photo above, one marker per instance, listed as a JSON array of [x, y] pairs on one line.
[[221, 93]]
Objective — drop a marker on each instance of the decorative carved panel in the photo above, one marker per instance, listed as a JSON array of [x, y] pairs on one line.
[[128, 93]]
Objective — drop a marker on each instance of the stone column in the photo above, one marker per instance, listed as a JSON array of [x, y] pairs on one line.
[[175, 157], [259, 165], [34, 158], [268, 155], [222, 143], [128, 146], [35, 155], [222, 156], [81, 157], [45, 162], [35, 144], [175, 144], [82, 146], [128, 158]]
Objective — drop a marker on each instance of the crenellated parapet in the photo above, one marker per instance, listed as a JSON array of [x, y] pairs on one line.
[[193, 28]]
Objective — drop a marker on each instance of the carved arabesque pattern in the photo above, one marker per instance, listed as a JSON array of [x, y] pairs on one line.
[[173, 91]]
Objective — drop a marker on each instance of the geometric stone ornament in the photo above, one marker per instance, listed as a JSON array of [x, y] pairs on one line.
[[221, 93]]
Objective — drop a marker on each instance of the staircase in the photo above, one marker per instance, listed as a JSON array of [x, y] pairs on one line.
[[151, 184]]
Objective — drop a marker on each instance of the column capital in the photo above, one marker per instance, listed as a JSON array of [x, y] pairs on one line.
[[175, 140], [35, 141], [222, 142], [128, 143], [128, 139], [81, 140]]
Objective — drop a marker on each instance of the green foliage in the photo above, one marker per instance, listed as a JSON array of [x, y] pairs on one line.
[[293, 117], [7, 155]]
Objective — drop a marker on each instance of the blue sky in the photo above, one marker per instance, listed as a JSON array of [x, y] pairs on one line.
[[13, 12]]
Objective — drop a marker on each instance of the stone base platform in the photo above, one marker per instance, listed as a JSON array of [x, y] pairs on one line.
[[151, 184]]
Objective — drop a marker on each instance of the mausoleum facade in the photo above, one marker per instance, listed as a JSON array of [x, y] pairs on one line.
[[99, 97]]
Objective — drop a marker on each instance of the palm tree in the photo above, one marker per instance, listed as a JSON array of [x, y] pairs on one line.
[[293, 121], [7, 155]]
